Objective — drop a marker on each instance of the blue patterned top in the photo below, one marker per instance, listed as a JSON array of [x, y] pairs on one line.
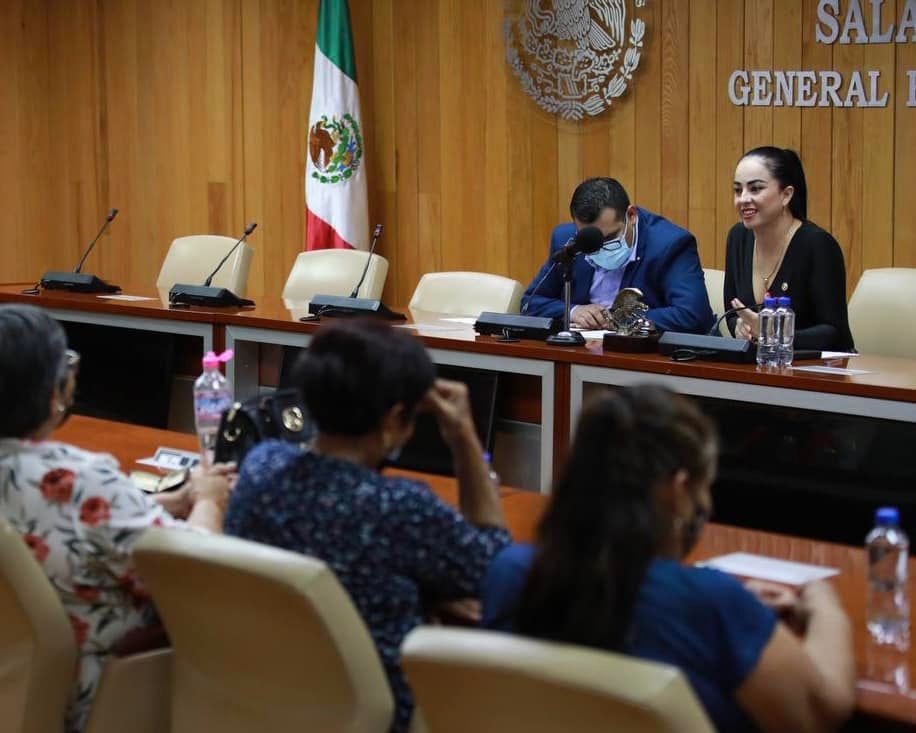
[[391, 542]]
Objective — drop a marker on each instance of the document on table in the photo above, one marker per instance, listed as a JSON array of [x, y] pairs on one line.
[[462, 319], [768, 568], [171, 459], [587, 335], [843, 371], [830, 355], [126, 297]]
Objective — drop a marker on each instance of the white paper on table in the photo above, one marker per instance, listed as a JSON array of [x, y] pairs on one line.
[[125, 297], [831, 370], [594, 334], [768, 568], [837, 354], [461, 319], [428, 327], [171, 459]]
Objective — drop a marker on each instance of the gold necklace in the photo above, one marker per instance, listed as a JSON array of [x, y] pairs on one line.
[[790, 232]]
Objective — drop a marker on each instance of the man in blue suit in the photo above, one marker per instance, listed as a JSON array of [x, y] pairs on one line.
[[640, 250]]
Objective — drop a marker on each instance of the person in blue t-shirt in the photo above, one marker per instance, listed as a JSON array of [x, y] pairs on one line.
[[606, 571]]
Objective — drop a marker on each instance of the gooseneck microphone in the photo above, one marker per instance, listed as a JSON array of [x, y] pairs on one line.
[[248, 230], [731, 311], [76, 281], [586, 241], [376, 233], [182, 295], [537, 287]]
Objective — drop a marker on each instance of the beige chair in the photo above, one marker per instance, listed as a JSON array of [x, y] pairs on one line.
[[37, 648], [334, 272], [38, 659], [466, 294], [264, 639], [715, 289], [882, 310], [508, 683], [191, 259]]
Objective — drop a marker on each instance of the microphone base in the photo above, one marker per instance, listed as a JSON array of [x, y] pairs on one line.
[[513, 325], [566, 338], [716, 348], [203, 295], [76, 282], [339, 306]]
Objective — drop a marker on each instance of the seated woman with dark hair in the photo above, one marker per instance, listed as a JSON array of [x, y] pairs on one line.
[[607, 571], [75, 509], [391, 542]]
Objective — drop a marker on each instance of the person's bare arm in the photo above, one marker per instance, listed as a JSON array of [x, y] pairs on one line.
[[209, 493]]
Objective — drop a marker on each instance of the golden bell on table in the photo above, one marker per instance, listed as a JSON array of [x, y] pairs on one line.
[[631, 331]]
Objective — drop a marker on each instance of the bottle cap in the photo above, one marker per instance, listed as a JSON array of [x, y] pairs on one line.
[[211, 360], [769, 302], [887, 516], [784, 301]]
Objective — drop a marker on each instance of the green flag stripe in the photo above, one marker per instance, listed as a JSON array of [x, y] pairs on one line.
[[334, 37]]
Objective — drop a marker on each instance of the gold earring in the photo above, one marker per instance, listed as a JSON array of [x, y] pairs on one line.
[[61, 408]]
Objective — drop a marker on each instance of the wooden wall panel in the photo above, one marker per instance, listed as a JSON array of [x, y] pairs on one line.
[[190, 116]]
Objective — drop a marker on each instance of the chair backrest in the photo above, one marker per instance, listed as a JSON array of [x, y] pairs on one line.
[[263, 639], [191, 259], [335, 272], [508, 683], [466, 293], [882, 301], [715, 291], [133, 694], [37, 647]]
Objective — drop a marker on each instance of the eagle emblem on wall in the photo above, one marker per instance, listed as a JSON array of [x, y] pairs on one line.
[[574, 57]]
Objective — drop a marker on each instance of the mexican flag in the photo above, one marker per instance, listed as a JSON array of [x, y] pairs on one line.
[[337, 213]]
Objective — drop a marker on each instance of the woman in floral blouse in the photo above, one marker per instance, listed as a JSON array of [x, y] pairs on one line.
[[75, 509], [390, 541]]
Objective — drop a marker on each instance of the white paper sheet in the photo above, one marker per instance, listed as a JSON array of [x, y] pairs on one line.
[[430, 327], [125, 297], [831, 370], [593, 334], [837, 354], [461, 319], [171, 459], [768, 568]]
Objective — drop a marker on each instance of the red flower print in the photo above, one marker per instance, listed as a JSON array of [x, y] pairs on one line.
[[57, 486], [80, 630], [37, 546], [88, 593], [94, 510]]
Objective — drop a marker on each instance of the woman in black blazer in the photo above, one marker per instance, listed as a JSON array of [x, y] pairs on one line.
[[774, 250]]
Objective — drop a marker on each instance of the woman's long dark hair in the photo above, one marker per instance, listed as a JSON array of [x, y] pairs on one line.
[[602, 527], [786, 167]]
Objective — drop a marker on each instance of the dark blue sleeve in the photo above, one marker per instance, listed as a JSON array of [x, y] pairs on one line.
[[548, 302], [745, 625], [684, 290], [436, 546], [264, 467], [502, 587]]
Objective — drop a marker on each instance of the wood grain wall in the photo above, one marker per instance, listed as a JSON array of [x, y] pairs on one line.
[[190, 116]]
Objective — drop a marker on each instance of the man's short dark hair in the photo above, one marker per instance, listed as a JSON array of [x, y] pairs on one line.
[[353, 372], [595, 194], [32, 361]]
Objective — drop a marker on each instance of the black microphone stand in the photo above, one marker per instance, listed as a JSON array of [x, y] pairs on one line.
[[77, 281], [183, 295], [566, 337]]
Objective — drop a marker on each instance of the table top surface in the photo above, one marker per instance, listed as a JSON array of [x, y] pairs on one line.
[[523, 509], [887, 378]]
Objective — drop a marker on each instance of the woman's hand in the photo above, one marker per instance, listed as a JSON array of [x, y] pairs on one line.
[[746, 326], [448, 401], [213, 483], [784, 601]]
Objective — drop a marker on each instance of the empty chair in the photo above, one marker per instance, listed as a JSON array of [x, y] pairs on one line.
[[509, 683], [335, 272], [37, 647], [466, 293], [715, 290], [191, 259], [263, 639], [133, 694], [882, 301]]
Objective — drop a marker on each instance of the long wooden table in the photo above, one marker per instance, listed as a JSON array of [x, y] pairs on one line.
[[886, 391], [878, 702]]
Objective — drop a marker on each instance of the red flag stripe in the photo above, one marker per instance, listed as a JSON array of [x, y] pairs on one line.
[[321, 235]]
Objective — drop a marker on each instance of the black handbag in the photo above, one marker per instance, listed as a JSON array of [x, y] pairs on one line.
[[279, 415]]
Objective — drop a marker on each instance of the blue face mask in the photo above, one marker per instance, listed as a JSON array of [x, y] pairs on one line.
[[614, 253]]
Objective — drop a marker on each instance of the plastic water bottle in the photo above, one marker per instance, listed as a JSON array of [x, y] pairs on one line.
[[212, 396], [888, 604], [494, 477], [766, 334], [785, 332]]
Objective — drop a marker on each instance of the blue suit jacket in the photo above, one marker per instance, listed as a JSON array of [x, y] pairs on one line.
[[666, 269]]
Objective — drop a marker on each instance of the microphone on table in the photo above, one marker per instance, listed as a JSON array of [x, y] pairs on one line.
[[205, 295], [731, 311], [690, 346], [77, 281], [351, 305], [586, 241]]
